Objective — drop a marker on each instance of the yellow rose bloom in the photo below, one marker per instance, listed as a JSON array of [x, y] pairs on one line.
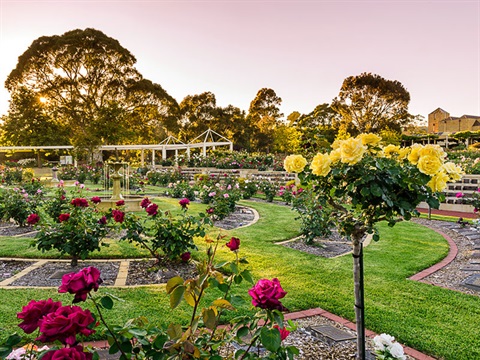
[[336, 144], [455, 172], [391, 151], [370, 139], [294, 163], [429, 164], [352, 151], [438, 183], [403, 153], [414, 155], [321, 164], [433, 150], [335, 155]]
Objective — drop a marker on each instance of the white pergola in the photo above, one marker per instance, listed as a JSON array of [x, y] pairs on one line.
[[211, 139]]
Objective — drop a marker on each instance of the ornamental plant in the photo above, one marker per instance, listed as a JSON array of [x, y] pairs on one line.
[[78, 230], [201, 338], [365, 182], [163, 234], [18, 204], [387, 349]]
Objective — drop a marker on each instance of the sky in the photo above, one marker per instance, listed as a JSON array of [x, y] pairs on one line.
[[303, 50]]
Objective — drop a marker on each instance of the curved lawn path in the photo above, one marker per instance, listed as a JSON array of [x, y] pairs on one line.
[[433, 320]]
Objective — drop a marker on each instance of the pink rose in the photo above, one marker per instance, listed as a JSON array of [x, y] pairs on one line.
[[459, 195], [72, 353], [184, 203], [64, 324], [32, 219], [81, 283], [185, 256], [118, 215], [233, 244], [96, 200], [152, 209], [63, 217], [79, 202], [145, 202], [283, 332], [266, 294], [210, 210], [33, 313]]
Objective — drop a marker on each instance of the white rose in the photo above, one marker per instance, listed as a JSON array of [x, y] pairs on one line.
[[396, 350], [382, 341]]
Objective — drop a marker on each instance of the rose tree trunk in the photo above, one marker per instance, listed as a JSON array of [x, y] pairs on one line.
[[359, 294]]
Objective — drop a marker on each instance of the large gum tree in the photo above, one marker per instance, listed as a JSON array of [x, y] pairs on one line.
[[88, 84]]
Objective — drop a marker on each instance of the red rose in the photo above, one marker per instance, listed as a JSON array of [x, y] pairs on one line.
[[79, 202], [184, 203], [283, 332], [81, 283], [103, 220], [63, 217], [118, 215], [185, 256], [64, 324], [32, 219], [210, 210], [266, 294], [72, 353], [96, 200], [120, 203], [233, 244], [33, 313], [152, 209], [145, 202]]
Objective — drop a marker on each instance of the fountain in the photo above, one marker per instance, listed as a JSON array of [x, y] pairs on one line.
[[132, 202]]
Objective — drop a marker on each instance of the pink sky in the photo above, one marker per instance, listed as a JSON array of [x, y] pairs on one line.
[[301, 49]]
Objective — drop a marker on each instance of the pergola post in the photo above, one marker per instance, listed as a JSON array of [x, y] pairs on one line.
[[164, 153], [153, 158], [188, 153]]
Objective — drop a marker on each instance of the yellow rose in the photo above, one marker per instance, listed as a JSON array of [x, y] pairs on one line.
[[414, 155], [433, 150], [321, 164], [429, 164], [352, 151], [391, 151], [438, 183], [370, 139], [336, 144], [455, 172], [294, 163], [403, 153], [335, 155]]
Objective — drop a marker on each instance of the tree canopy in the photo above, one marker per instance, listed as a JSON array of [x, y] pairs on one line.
[[369, 103], [90, 86]]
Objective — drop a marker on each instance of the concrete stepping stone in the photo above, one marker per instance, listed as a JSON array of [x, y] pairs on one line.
[[472, 282]]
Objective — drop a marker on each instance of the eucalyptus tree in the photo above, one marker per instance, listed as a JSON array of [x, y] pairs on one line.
[[263, 117], [370, 103], [88, 84], [197, 114]]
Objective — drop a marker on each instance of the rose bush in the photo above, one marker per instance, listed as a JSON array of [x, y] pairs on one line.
[[364, 182], [200, 338]]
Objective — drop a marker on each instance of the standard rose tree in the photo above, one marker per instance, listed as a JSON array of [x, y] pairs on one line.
[[362, 182]]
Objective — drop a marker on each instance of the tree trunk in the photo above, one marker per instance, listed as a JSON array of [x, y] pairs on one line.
[[74, 261], [359, 295]]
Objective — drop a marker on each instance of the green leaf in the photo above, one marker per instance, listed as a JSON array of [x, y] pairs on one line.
[[376, 190], [243, 331], [107, 302], [224, 304], [270, 339], [209, 318], [365, 191], [247, 276], [13, 340], [173, 283], [176, 296]]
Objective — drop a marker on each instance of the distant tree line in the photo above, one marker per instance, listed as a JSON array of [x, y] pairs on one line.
[[82, 89]]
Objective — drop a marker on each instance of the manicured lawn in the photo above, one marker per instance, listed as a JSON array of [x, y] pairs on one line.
[[434, 320]]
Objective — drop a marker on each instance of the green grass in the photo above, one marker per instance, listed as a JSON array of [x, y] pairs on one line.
[[437, 321]]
